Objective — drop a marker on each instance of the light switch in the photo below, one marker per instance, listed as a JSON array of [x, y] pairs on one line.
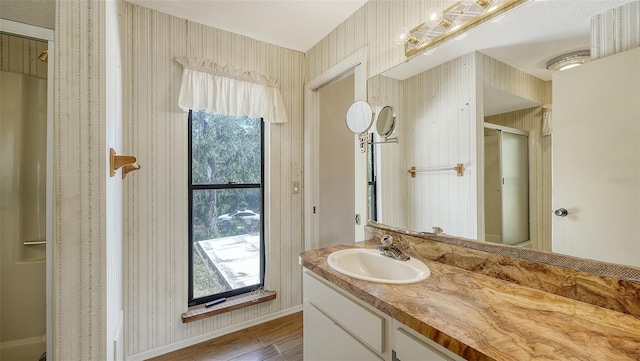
[[296, 187]]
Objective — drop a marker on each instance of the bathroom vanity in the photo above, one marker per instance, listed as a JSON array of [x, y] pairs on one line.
[[338, 326], [454, 314]]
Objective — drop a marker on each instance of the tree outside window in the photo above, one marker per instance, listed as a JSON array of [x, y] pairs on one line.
[[226, 205]]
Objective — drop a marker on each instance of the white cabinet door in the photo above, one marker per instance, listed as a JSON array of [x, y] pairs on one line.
[[324, 340]]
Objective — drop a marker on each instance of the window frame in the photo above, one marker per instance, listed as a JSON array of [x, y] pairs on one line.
[[194, 187]]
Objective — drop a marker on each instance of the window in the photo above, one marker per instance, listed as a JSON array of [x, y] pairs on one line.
[[226, 198]]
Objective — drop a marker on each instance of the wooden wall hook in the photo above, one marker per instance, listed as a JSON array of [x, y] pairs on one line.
[[128, 163]]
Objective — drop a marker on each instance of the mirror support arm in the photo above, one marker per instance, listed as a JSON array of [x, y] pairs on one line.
[[386, 140]]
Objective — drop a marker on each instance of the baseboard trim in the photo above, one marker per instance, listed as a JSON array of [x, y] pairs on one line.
[[23, 342], [210, 335]]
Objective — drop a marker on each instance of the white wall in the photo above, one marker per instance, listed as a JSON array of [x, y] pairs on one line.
[[155, 197]]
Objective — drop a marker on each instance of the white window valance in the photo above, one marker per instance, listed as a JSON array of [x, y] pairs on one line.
[[214, 88]]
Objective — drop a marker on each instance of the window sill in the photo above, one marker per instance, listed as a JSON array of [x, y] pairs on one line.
[[231, 304]]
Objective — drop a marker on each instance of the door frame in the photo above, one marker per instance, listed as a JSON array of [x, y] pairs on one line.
[[39, 33], [358, 62], [533, 233]]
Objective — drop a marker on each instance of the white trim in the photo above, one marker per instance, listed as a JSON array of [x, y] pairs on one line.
[[346, 64], [211, 335], [357, 60], [502, 128], [27, 30], [49, 198], [360, 158]]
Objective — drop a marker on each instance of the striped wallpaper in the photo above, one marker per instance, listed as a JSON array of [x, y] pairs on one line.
[[20, 55], [499, 75], [373, 25], [616, 30], [79, 242], [440, 111], [155, 206]]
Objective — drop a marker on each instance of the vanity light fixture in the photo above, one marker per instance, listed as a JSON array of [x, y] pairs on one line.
[[459, 17], [570, 60]]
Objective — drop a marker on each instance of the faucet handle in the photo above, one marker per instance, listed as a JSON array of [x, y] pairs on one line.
[[386, 240]]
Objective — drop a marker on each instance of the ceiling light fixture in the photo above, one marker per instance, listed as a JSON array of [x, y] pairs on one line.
[[570, 60], [459, 17]]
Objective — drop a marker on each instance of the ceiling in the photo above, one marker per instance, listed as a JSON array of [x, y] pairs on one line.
[[292, 24], [33, 12]]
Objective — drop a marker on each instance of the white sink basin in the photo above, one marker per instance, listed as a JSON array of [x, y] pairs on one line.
[[370, 265]]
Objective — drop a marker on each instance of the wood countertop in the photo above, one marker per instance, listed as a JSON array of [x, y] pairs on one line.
[[484, 318]]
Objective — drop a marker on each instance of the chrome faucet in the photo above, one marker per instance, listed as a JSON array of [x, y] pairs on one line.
[[388, 249]]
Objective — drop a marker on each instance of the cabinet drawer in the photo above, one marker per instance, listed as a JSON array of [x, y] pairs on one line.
[[360, 322], [410, 346], [325, 340]]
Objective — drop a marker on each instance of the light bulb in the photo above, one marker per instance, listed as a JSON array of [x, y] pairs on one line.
[[401, 36], [434, 17]]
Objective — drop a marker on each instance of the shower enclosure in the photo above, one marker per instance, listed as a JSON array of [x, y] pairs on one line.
[[23, 205], [506, 190]]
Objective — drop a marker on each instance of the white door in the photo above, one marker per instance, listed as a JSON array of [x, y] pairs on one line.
[[596, 159]]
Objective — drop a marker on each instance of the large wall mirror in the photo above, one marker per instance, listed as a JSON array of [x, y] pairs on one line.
[[551, 158]]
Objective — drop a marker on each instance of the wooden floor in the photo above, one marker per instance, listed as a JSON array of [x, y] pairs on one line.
[[280, 339]]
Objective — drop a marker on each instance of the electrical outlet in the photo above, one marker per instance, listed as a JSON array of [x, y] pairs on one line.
[[296, 187]]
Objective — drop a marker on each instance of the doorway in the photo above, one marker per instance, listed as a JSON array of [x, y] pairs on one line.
[[506, 152], [336, 208], [312, 196], [25, 183]]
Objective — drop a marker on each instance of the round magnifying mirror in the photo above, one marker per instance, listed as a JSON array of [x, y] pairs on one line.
[[359, 117], [386, 121]]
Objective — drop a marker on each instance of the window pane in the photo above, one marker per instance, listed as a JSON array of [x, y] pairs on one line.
[[225, 149], [225, 212], [226, 240]]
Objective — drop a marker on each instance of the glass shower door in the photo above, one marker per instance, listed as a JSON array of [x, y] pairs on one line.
[[515, 188], [506, 185]]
